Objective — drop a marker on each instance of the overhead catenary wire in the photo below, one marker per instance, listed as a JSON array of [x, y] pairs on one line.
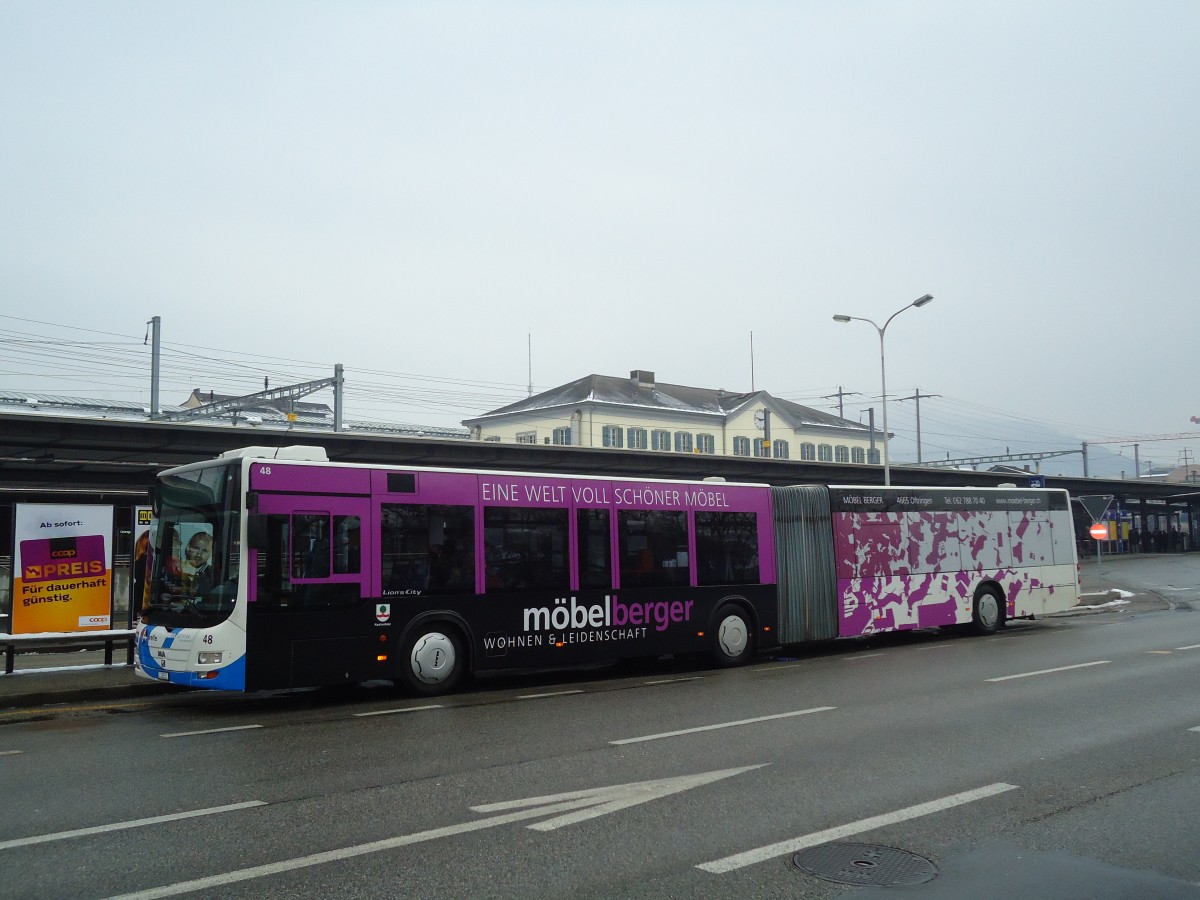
[[115, 366], [118, 370]]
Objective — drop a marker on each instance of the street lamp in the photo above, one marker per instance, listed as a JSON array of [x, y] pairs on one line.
[[918, 303]]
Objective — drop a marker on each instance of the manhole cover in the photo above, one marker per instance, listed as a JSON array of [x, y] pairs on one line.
[[865, 864]]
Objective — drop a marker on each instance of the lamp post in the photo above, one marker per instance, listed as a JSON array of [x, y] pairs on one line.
[[917, 304]]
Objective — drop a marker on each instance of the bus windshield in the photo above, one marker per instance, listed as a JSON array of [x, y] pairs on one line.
[[196, 548]]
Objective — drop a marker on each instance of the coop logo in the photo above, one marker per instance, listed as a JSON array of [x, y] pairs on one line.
[[71, 557]]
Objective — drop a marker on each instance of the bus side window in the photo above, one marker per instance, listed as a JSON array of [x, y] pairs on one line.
[[726, 548], [302, 552], [654, 548], [427, 549], [594, 549], [526, 549], [310, 545], [347, 545], [274, 578]]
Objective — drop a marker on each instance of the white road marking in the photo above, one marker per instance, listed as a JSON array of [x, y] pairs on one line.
[[1099, 662], [936, 646], [1189, 647], [611, 799], [388, 712], [669, 734], [570, 807], [750, 857], [134, 823], [209, 731], [675, 680], [550, 694], [1197, 728], [864, 656], [11, 752], [767, 670]]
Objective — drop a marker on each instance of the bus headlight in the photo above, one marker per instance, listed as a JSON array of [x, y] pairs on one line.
[[209, 657]]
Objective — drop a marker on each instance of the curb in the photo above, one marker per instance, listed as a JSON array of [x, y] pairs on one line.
[[30, 689]]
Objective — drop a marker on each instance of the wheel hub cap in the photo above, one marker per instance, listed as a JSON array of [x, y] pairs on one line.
[[732, 636], [433, 658]]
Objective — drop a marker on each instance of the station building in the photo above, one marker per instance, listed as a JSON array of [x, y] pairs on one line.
[[641, 413]]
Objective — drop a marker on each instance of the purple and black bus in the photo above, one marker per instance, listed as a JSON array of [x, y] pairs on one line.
[[274, 568]]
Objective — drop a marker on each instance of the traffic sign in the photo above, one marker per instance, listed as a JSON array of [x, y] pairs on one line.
[[1096, 505], [1099, 531]]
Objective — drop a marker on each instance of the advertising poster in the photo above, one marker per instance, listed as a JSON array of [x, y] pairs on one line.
[[143, 520], [62, 573], [195, 563]]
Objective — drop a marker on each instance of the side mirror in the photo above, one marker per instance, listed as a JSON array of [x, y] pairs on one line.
[[256, 531]]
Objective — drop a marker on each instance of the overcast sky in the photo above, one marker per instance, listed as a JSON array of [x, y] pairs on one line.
[[422, 191]]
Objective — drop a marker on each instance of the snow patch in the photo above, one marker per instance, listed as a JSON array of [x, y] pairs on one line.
[[1122, 599]]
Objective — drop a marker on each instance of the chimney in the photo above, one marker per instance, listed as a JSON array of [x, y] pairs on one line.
[[641, 378]]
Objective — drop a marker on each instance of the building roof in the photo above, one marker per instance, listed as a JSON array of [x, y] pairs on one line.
[[47, 402], [317, 416], [641, 391], [282, 404]]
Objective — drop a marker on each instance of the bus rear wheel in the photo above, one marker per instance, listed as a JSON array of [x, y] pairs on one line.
[[733, 641], [987, 614], [432, 661]]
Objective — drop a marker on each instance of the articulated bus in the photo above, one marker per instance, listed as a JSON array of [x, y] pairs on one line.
[[275, 568]]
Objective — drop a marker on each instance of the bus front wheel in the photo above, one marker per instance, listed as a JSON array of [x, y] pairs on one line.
[[432, 661], [733, 641], [987, 616]]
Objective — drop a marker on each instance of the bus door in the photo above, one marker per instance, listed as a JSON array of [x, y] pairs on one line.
[[310, 619]]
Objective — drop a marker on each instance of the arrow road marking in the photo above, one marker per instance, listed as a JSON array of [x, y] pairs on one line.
[[576, 805], [601, 801]]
